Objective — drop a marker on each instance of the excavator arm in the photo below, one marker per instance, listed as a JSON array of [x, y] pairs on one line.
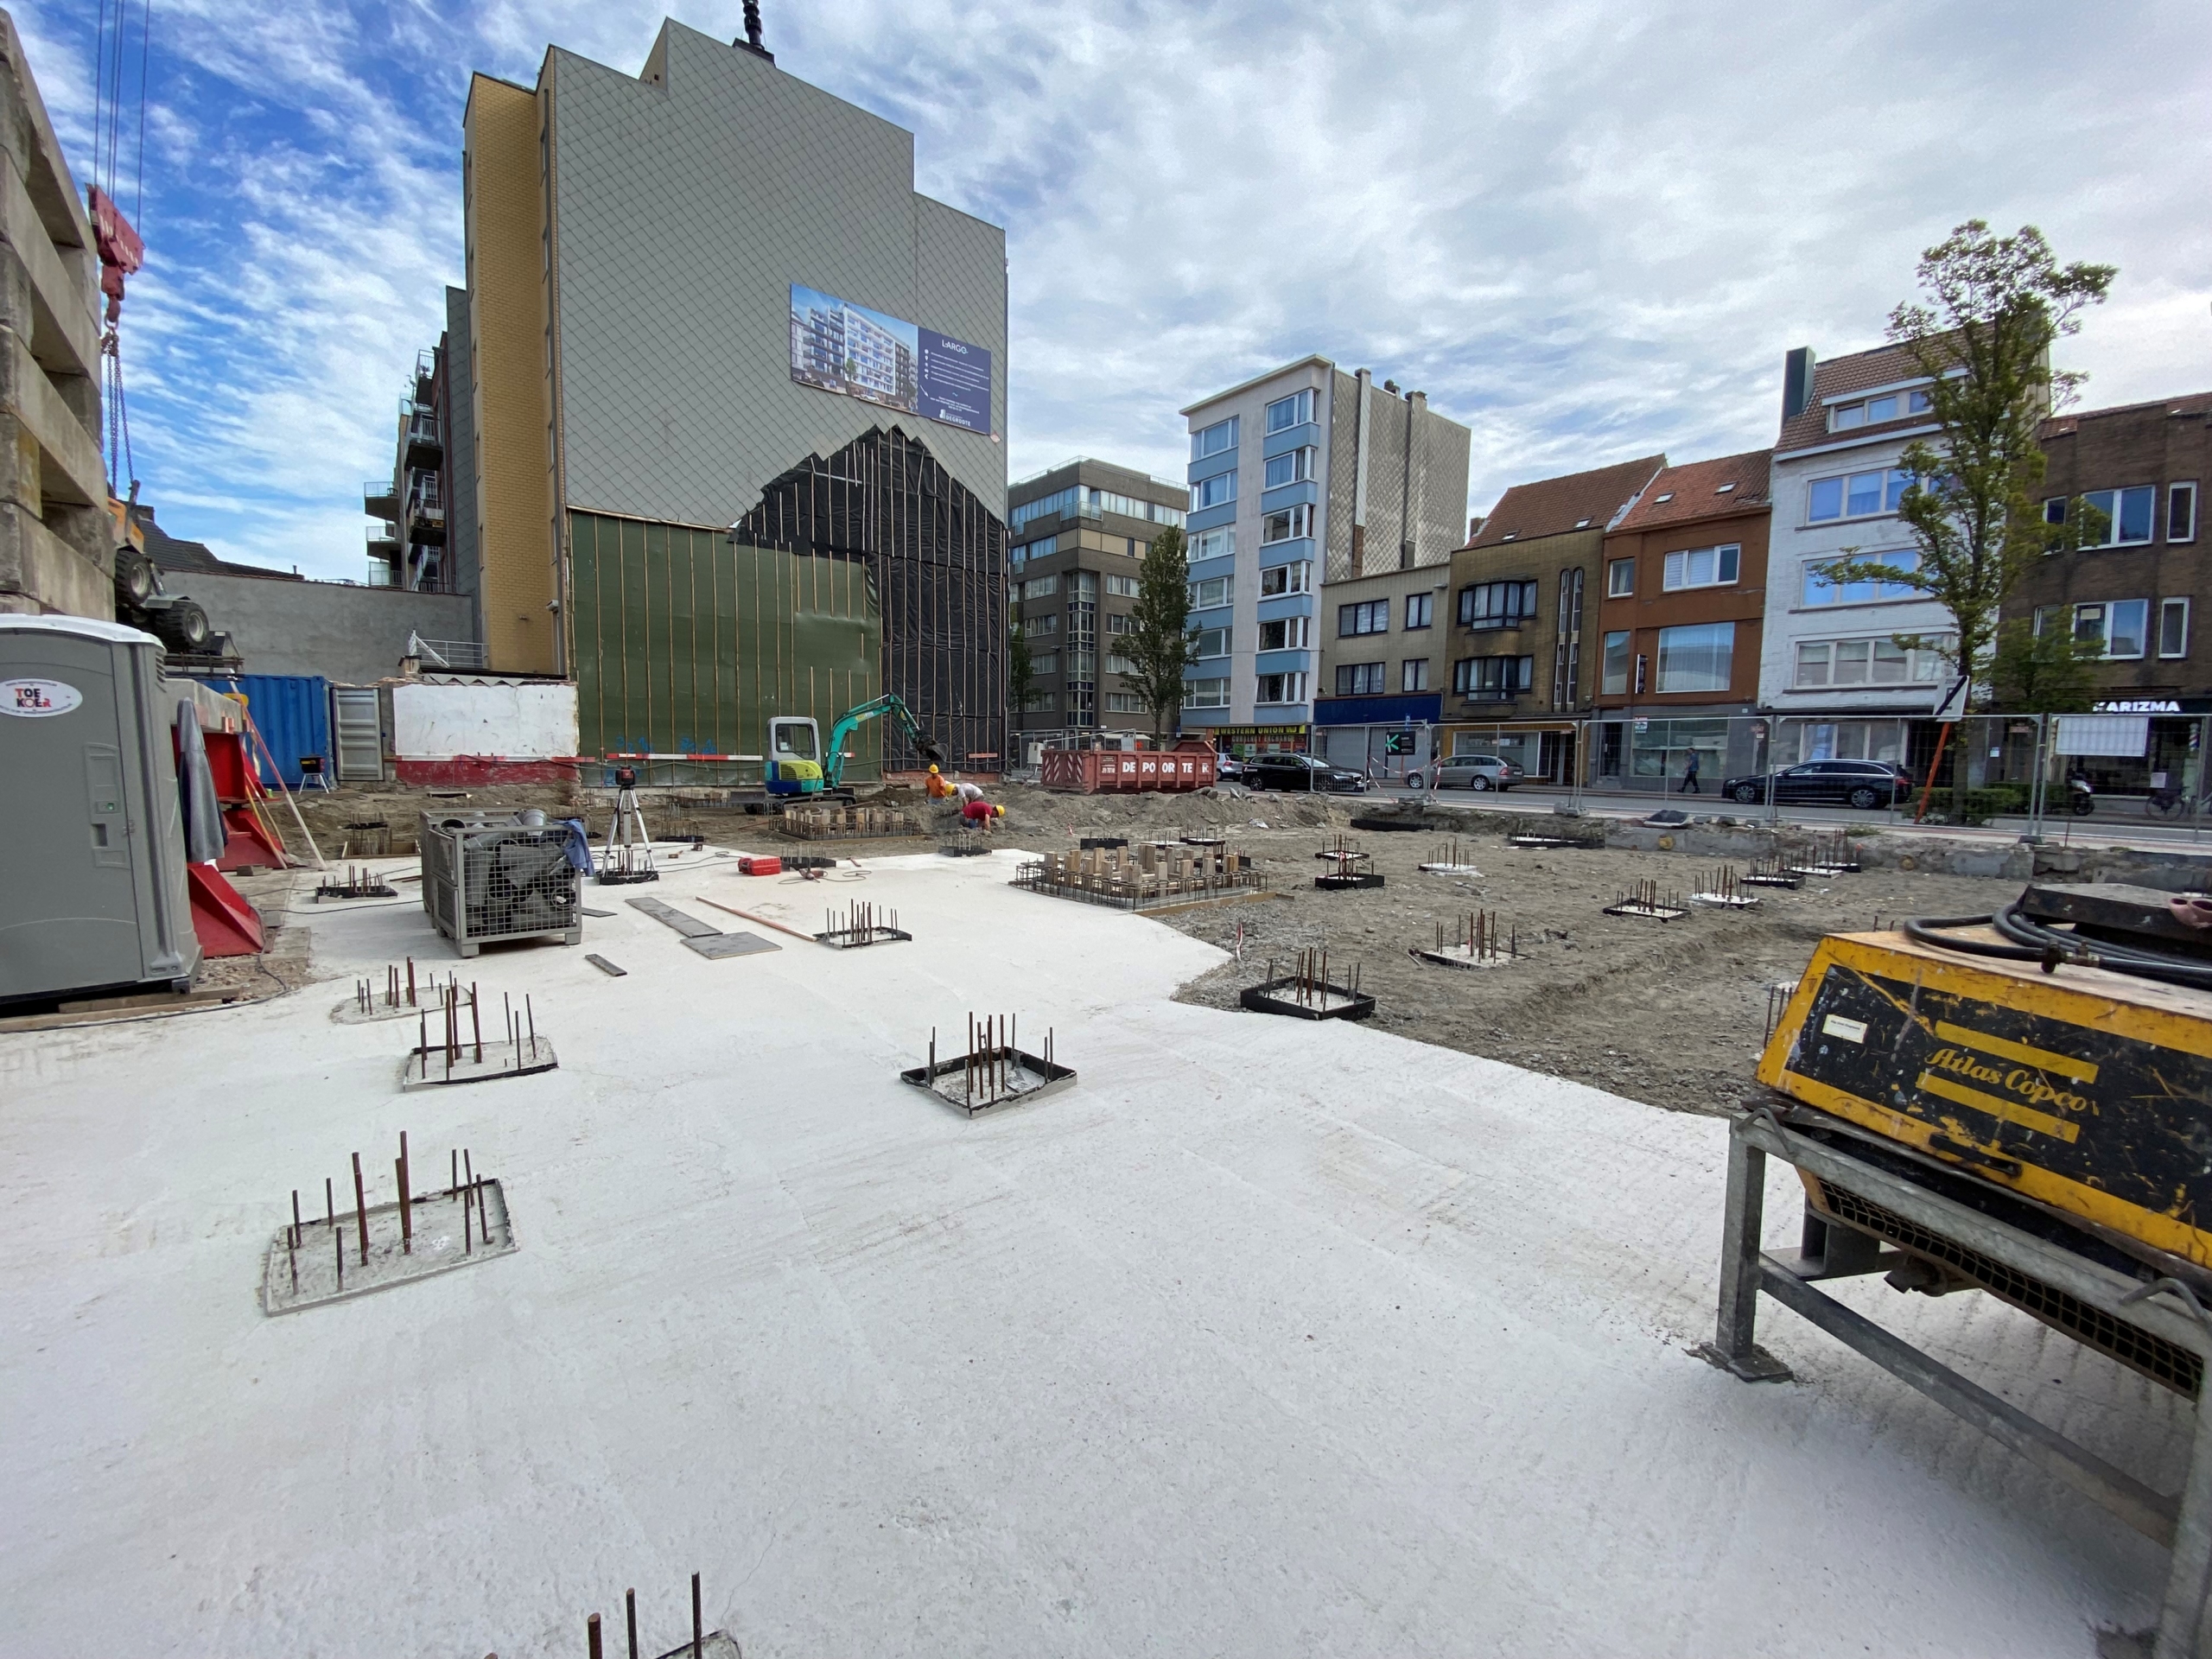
[[833, 759]]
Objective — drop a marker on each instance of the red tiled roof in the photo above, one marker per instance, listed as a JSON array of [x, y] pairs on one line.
[[1577, 501], [1700, 489], [1884, 365]]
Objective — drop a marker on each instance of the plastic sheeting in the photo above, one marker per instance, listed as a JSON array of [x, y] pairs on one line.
[[293, 714]]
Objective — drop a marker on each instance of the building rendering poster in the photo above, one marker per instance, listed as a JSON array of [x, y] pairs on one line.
[[841, 347]]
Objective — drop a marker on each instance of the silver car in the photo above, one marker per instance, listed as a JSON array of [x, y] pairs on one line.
[[1476, 771]]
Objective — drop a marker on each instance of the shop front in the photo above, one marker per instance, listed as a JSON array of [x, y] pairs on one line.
[[1383, 737], [1247, 740]]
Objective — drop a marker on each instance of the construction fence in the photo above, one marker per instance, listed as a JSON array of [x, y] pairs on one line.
[[2019, 771]]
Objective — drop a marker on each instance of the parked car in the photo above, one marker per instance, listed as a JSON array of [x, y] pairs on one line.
[[1228, 769], [1475, 772], [1862, 783], [1302, 772]]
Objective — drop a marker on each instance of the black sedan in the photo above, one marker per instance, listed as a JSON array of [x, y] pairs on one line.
[[1301, 772], [1865, 785]]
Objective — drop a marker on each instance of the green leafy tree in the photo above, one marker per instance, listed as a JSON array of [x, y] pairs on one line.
[[1160, 642], [1021, 670], [1991, 308], [2049, 673]]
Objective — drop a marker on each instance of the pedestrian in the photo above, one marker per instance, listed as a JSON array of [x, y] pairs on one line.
[[1689, 775]]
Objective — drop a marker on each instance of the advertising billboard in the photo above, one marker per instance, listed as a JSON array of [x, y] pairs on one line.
[[843, 347]]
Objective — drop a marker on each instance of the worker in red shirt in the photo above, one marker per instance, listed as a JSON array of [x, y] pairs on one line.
[[974, 809]]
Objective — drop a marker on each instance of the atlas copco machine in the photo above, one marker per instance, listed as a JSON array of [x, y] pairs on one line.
[[2019, 1104], [797, 763]]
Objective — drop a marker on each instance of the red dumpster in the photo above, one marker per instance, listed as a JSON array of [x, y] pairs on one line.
[[1189, 765]]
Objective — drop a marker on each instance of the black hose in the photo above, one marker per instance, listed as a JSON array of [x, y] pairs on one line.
[[2029, 940]]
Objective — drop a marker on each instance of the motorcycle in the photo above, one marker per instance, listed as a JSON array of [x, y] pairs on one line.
[[2081, 799]]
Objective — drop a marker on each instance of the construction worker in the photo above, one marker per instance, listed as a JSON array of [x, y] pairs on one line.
[[974, 809], [936, 786], [967, 793]]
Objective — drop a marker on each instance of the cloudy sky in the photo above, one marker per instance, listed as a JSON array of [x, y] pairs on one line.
[[1588, 230]]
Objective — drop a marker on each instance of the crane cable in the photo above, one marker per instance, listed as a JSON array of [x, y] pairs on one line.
[[107, 162]]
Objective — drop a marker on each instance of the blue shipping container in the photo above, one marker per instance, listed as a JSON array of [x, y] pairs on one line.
[[292, 712]]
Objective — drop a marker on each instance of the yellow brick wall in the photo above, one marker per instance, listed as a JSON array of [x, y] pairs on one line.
[[507, 320]]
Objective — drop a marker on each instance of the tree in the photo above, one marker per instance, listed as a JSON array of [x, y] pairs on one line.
[[1021, 671], [1993, 308], [1160, 642], [2053, 672]]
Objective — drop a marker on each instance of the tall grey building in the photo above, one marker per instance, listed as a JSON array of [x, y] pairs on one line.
[[1308, 474], [1080, 532], [737, 395]]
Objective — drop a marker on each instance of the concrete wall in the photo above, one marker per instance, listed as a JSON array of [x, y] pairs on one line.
[[528, 720], [353, 636]]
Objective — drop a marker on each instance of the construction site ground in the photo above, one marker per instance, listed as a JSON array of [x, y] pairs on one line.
[[1260, 1337]]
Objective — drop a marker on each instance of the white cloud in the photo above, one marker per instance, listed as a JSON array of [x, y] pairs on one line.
[[1588, 232]]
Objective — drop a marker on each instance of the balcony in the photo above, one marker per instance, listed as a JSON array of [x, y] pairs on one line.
[[384, 542], [380, 498], [420, 445], [425, 518]]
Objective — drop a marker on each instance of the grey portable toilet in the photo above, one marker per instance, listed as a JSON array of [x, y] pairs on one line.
[[92, 838]]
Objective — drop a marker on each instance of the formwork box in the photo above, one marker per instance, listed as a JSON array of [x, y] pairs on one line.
[[292, 713], [1189, 765]]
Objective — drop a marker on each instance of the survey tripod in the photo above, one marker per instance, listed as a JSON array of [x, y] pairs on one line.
[[629, 855]]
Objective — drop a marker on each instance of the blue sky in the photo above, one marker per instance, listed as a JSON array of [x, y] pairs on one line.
[[1588, 230]]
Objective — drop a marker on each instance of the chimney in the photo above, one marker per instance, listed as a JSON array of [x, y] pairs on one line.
[[752, 41], [1796, 382], [1474, 526]]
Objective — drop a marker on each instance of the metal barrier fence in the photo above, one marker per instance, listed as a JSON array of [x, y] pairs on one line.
[[2023, 772]]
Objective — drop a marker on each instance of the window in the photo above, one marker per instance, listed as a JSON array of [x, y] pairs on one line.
[[1290, 467], [1287, 633], [1420, 608], [1868, 662], [1859, 495], [1700, 567], [1213, 543], [1045, 507], [1613, 675], [1117, 663], [1497, 605], [1818, 590], [1122, 587], [1413, 674], [1125, 702], [1872, 411], [1620, 578], [1119, 624], [1048, 663], [1281, 688], [2181, 513], [1372, 616], [1287, 525], [1294, 578], [1044, 547], [1359, 679], [1096, 502], [1041, 587], [1493, 678], [1213, 591], [1213, 642], [1293, 410], [1034, 626], [1696, 659], [2119, 623], [1046, 701], [1082, 664], [1205, 693], [1212, 440], [2127, 515], [1213, 492], [2173, 627]]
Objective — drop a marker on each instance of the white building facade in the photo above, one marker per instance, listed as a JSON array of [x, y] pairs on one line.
[[1306, 475], [1833, 671]]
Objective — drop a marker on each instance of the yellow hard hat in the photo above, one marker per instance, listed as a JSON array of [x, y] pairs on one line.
[[933, 768], [1000, 810]]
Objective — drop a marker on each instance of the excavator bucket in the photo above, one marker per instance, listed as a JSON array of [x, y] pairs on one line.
[[930, 752]]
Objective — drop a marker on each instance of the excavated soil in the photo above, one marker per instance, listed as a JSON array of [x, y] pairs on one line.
[[1672, 1012]]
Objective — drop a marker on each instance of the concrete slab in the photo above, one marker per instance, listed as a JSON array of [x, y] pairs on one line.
[[1266, 1337]]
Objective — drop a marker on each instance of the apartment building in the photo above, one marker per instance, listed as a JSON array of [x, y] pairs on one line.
[[1833, 671], [423, 519], [1678, 625], [57, 540], [1524, 615], [1383, 667], [1080, 531], [2133, 576], [681, 503], [1308, 473]]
